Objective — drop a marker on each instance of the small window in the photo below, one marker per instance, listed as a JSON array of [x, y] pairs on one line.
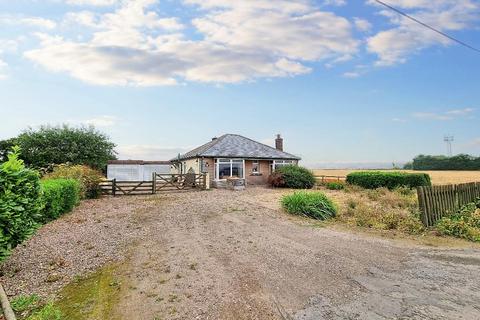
[[255, 167]]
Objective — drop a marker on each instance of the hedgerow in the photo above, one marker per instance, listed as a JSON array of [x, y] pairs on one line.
[[88, 178], [26, 202], [390, 180], [19, 206], [59, 196]]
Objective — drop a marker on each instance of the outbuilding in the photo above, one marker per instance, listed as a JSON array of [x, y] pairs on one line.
[[136, 170]]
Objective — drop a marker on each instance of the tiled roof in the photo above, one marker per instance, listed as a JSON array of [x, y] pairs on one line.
[[237, 146]]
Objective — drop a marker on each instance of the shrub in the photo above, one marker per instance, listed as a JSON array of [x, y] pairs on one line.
[[384, 210], [276, 180], [58, 197], [390, 180], [292, 176], [335, 186], [89, 178], [465, 223], [311, 204], [19, 209]]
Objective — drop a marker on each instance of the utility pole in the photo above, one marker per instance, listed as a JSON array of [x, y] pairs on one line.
[[448, 140]]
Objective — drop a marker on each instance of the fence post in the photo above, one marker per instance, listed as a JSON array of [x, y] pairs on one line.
[[421, 205], [154, 182], [114, 187]]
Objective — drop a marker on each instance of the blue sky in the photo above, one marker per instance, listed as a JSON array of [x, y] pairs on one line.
[[343, 81]]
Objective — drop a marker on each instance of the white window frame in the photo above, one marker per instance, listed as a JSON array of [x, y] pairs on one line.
[[217, 172], [280, 163]]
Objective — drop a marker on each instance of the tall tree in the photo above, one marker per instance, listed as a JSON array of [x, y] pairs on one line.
[[64, 144]]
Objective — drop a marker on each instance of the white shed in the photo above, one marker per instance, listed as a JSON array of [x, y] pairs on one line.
[[136, 170]]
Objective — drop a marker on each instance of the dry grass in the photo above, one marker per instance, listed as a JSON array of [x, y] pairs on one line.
[[438, 177]]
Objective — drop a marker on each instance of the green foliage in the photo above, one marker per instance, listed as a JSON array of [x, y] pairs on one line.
[[47, 312], [19, 206], [311, 204], [88, 178], [25, 304], [458, 162], [292, 176], [383, 209], [6, 147], [465, 223], [335, 185], [390, 180], [13, 163], [48, 146], [58, 197]]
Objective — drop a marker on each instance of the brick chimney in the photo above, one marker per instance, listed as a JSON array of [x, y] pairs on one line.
[[279, 143]]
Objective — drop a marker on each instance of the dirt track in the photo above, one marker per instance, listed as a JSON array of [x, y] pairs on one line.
[[225, 255]]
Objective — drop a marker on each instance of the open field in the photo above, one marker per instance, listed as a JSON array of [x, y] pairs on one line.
[[225, 255], [438, 177]]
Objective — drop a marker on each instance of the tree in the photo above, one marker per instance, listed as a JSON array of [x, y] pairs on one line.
[[5, 148], [458, 162], [49, 145]]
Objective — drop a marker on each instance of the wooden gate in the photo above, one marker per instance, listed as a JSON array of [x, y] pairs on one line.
[[175, 182], [159, 183]]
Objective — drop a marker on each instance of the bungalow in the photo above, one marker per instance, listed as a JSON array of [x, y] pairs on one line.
[[235, 156]]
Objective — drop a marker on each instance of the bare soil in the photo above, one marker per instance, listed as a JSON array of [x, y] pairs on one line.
[[236, 255]]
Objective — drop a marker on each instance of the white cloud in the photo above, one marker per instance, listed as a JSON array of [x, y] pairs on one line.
[[8, 45], [444, 116], [241, 41], [92, 2], [36, 22], [362, 24], [3, 67], [335, 2], [102, 121], [351, 74], [460, 112], [395, 45]]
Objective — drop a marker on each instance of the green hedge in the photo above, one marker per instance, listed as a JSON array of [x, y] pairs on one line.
[[19, 206], [292, 176], [58, 197], [26, 202], [311, 204], [390, 180]]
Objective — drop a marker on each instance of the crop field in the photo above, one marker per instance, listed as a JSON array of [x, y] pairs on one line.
[[438, 177]]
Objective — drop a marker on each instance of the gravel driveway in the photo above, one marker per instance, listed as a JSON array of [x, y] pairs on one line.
[[235, 255]]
